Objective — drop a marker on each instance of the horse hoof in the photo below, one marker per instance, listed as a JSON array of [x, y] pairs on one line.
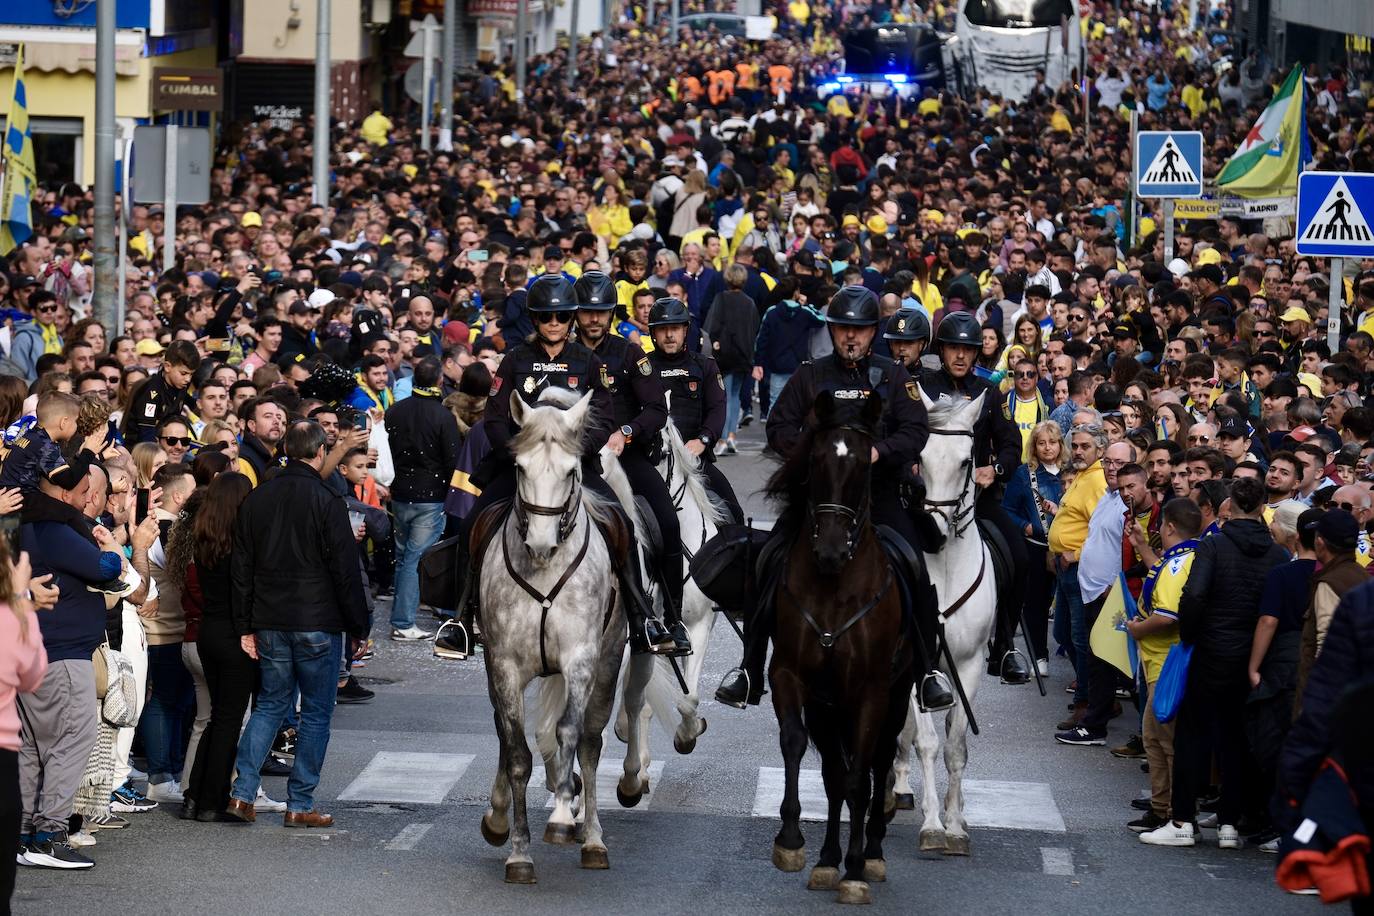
[[956, 846], [789, 860], [824, 878], [560, 834], [520, 873], [595, 857], [854, 892], [684, 746], [933, 841], [492, 835], [627, 800], [875, 870], [906, 801]]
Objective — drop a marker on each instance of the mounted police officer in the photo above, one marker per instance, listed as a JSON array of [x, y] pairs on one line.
[[697, 393], [996, 454], [852, 374], [552, 359], [907, 334], [640, 413]]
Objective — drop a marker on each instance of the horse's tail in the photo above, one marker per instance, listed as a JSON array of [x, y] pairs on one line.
[[689, 466], [550, 699]]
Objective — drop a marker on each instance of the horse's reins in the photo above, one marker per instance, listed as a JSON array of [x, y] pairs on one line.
[[827, 637], [959, 519], [567, 513]]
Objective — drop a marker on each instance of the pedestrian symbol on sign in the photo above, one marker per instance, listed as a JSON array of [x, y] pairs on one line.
[[1338, 219], [1169, 166]]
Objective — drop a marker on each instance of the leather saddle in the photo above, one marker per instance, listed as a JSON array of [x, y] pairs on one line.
[[1000, 552], [907, 564], [648, 527]]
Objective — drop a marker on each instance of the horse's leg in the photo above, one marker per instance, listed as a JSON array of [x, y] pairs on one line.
[[956, 756], [899, 702], [508, 693], [550, 707], [599, 706], [858, 793], [904, 799], [630, 789], [789, 846], [496, 822], [578, 674], [825, 876], [699, 619], [927, 746]]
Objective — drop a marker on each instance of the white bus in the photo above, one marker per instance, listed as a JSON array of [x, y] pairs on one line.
[[1001, 43]]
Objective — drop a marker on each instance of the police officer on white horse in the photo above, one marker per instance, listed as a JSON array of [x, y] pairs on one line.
[[550, 358], [640, 414], [852, 373], [996, 454], [696, 393]]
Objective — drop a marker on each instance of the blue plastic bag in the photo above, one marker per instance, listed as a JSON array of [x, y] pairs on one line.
[[1173, 678]]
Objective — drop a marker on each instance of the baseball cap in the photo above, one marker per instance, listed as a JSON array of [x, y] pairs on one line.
[[148, 347], [1208, 256], [251, 218], [1125, 329], [1178, 267], [553, 253], [1295, 313], [1235, 428], [1339, 529], [23, 281], [299, 308], [850, 220], [320, 298]]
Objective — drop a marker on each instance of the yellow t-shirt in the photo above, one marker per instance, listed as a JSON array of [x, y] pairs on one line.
[[1024, 417], [1164, 600]]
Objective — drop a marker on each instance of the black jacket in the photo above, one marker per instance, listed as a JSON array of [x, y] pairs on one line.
[[1346, 660], [294, 342], [424, 447], [1220, 603], [996, 440], [153, 402], [733, 324], [295, 563]]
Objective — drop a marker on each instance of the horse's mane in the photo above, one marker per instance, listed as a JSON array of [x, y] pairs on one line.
[[538, 423], [690, 468], [787, 484], [941, 411]]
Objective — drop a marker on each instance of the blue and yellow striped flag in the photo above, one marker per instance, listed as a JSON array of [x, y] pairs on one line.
[[20, 176]]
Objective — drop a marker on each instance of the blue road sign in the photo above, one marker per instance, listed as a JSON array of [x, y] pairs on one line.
[[1335, 210], [1168, 163]]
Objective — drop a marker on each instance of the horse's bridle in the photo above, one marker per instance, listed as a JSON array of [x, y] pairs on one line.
[[567, 513], [959, 516], [857, 518]]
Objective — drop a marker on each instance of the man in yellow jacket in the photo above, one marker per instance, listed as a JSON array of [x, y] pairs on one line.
[[1068, 533]]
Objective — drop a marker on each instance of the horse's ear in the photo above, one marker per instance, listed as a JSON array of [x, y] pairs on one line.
[[924, 398], [518, 408], [576, 415], [975, 407], [872, 412], [824, 409]]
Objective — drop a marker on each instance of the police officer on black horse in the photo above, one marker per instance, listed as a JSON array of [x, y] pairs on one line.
[[552, 359], [852, 374], [696, 392], [996, 454], [640, 415]]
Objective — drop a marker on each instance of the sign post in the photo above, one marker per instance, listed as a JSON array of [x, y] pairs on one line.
[[1334, 213], [169, 194], [1168, 165], [171, 166]]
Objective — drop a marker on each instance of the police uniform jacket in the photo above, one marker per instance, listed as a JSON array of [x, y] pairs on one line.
[[528, 370], [636, 393], [697, 396], [996, 440]]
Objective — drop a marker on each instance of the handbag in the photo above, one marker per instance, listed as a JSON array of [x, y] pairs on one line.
[[116, 687], [1173, 678]]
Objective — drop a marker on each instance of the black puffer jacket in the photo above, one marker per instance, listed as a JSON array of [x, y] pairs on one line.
[[295, 563], [424, 447], [1220, 603], [1346, 661]]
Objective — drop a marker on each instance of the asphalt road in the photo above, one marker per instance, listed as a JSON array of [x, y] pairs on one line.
[[407, 777]]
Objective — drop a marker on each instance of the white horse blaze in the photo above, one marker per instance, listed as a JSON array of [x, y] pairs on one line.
[[841, 450]]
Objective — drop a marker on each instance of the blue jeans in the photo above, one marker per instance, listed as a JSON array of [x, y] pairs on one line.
[[1071, 628], [308, 662], [418, 528], [734, 384], [776, 382], [164, 719]]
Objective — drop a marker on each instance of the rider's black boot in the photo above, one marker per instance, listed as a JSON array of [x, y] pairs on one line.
[[455, 639], [743, 686], [1005, 661], [933, 691], [935, 694], [672, 607], [647, 633]]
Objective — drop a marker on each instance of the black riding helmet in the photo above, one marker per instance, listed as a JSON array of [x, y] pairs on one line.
[[855, 306], [551, 294], [959, 328], [908, 324], [668, 310], [595, 291]]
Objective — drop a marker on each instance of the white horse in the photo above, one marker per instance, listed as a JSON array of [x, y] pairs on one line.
[[698, 519], [962, 574], [549, 610]]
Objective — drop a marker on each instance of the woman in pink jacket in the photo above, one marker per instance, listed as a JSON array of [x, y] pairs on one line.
[[22, 664]]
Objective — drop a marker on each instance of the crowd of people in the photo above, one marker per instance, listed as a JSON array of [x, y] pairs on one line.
[[212, 495]]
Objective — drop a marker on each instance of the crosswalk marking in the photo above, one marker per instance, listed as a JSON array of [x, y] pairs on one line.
[[409, 837], [1056, 861], [407, 777], [987, 802], [606, 779]]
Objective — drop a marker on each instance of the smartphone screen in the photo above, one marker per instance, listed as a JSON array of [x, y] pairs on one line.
[[9, 527], [360, 420], [141, 506], [478, 254]]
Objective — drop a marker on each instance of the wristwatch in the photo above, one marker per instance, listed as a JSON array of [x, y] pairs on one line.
[[628, 432], [705, 439]]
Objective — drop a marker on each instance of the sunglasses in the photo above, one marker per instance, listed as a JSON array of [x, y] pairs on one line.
[[1349, 507], [552, 317], [46, 308], [183, 441], [1203, 439], [111, 379], [1265, 334], [1026, 374]]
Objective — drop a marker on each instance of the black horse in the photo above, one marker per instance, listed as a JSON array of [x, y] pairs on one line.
[[843, 664]]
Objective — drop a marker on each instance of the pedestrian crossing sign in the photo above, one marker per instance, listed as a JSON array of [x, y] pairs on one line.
[[1168, 163], [1335, 210]]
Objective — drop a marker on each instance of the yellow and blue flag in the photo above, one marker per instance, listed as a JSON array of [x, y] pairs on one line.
[[20, 176], [1109, 640]]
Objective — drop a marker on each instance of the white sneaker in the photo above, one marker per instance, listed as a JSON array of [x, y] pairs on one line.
[[266, 804], [136, 775], [1207, 821], [1170, 834], [410, 634], [1272, 847], [1228, 837], [1043, 666], [167, 793], [80, 838]]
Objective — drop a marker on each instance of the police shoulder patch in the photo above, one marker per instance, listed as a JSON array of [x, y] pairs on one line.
[[644, 368], [495, 386], [911, 391]]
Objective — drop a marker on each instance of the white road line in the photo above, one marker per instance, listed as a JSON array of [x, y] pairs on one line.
[[810, 786], [407, 777], [1056, 861], [409, 837], [606, 779]]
